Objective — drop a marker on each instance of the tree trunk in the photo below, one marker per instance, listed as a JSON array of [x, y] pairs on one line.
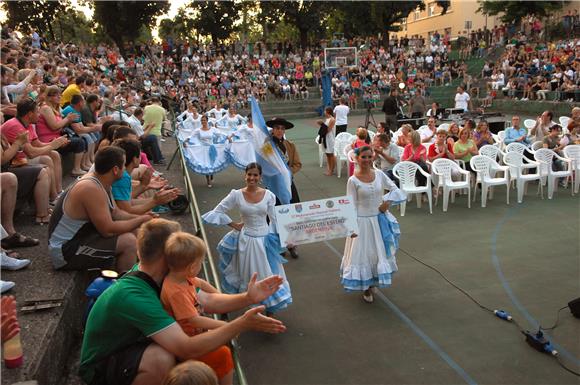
[[49, 30], [303, 37], [386, 37]]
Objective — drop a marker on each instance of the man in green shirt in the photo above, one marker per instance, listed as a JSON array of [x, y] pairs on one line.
[[130, 339], [154, 116]]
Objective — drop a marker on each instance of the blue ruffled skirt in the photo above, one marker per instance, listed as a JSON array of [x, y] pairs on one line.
[[241, 255]]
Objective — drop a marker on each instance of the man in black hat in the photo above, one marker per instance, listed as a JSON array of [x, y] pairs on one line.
[[290, 154]]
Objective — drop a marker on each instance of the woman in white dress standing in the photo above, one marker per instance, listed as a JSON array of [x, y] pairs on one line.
[[328, 141], [252, 246], [208, 160], [369, 258]]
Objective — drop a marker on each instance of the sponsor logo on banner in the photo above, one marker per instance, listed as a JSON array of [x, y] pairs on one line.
[[343, 201], [314, 207], [298, 208], [329, 204], [284, 211]]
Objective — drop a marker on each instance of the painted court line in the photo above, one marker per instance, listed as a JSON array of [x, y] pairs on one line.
[[521, 308], [432, 344]]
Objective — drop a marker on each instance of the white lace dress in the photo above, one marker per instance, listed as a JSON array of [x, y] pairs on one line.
[[369, 259], [256, 248]]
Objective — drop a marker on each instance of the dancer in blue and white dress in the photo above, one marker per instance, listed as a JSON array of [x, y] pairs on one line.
[[206, 152], [369, 258], [241, 151], [190, 121], [233, 120], [252, 246]]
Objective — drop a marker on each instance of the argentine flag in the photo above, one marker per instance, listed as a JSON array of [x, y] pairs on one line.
[[275, 172]]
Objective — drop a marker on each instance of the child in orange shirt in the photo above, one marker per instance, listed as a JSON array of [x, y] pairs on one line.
[[184, 254]]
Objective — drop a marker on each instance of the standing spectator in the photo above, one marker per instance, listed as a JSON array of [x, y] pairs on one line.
[[391, 109], [153, 113], [341, 113], [462, 99], [417, 106]]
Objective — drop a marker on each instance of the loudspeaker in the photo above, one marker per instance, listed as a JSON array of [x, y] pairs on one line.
[[574, 306], [496, 127]]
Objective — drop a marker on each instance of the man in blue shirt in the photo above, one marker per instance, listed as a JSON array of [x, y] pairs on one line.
[[517, 134]]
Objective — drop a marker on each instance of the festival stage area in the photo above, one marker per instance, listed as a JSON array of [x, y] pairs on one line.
[[522, 258]]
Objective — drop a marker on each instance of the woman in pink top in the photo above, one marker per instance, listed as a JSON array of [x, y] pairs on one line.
[[417, 153], [51, 124], [361, 141]]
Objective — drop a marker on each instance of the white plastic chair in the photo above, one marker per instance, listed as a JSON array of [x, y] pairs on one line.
[[546, 157], [405, 171], [564, 120], [401, 151], [339, 147], [343, 136], [485, 167], [320, 152], [491, 151], [517, 165], [572, 152], [529, 124], [516, 147], [443, 168], [536, 146], [371, 135], [500, 139]]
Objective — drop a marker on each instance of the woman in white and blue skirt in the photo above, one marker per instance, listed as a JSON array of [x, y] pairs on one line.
[[252, 246], [369, 257]]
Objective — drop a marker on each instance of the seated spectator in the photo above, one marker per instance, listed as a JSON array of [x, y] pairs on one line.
[[542, 126], [9, 260], [441, 148], [115, 348], [29, 181], [75, 88], [482, 135], [428, 133], [86, 229], [89, 117], [76, 106], [34, 151], [122, 189], [417, 153], [515, 133], [51, 123], [386, 153], [405, 137], [191, 373], [465, 148], [552, 142], [453, 133], [184, 254]]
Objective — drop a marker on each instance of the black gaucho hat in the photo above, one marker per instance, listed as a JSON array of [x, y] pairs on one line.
[[279, 122]]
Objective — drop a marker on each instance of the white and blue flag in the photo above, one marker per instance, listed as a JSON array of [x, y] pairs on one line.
[[276, 175]]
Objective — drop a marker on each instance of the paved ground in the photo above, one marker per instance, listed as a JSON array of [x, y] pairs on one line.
[[521, 258]]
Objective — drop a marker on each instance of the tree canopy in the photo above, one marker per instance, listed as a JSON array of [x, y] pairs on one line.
[[515, 10], [38, 15]]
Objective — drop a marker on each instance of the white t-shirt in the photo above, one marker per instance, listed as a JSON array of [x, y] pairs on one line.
[[136, 125], [341, 113], [461, 100]]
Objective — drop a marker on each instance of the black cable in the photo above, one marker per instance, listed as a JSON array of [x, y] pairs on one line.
[[448, 281], [565, 367], [557, 320]]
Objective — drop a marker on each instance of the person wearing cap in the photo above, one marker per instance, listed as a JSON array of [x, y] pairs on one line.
[[288, 150]]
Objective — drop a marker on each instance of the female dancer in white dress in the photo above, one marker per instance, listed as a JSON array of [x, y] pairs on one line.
[[369, 258], [253, 245], [241, 151], [330, 123], [208, 159], [233, 119], [190, 121]]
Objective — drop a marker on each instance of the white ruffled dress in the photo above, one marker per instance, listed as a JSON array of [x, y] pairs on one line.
[[369, 259], [256, 248], [205, 152]]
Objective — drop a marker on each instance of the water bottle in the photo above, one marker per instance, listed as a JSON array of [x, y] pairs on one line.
[[13, 357], [98, 286]]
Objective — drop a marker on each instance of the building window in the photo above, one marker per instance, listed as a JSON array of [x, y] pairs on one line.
[[431, 9], [417, 14]]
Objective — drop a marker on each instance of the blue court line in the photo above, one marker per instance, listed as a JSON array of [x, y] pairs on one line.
[[444, 356], [521, 308]]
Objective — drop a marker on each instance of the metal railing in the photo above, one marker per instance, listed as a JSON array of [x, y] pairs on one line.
[[209, 267]]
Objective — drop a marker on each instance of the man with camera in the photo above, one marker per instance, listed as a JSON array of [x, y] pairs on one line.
[[391, 109]]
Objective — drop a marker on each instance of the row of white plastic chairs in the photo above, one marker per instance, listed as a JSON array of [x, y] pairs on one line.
[[449, 176]]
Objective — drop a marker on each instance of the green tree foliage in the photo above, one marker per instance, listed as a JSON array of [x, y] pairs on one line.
[[305, 15], [38, 15], [215, 18], [514, 11], [180, 27], [122, 21]]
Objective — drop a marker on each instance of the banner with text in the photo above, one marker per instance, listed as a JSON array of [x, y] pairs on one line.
[[315, 221]]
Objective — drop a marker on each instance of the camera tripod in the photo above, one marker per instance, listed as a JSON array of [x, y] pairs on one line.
[[370, 119]]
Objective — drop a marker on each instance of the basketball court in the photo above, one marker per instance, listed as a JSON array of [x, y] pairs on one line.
[[522, 258]]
